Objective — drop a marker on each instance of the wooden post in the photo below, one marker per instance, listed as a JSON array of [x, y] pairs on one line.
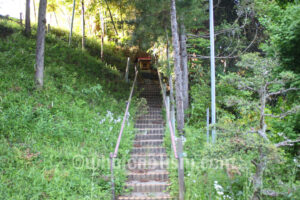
[[180, 168], [173, 117], [83, 24], [49, 28], [113, 197], [21, 19], [168, 107], [127, 70], [164, 90], [207, 125], [72, 22]]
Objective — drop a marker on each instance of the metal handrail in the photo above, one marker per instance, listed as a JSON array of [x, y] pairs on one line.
[[172, 133], [114, 155], [179, 144], [124, 118]]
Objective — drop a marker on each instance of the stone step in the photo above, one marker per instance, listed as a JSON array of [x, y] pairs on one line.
[[149, 121], [149, 126], [144, 150], [150, 131], [151, 186], [150, 87], [140, 143], [154, 114], [155, 110], [155, 105], [150, 91], [158, 175], [151, 116], [152, 156], [149, 136], [153, 98], [146, 165], [145, 196], [147, 175]]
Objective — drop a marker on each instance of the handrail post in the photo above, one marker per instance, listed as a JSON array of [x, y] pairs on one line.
[[178, 152], [21, 19], [207, 125], [168, 111], [127, 70], [168, 107], [112, 179], [180, 168], [173, 117], [172, 133]]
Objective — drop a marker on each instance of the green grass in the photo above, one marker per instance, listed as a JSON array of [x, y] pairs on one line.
[[74, 116]]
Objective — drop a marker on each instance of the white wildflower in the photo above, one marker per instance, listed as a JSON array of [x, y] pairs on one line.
[[117, 120], [110, 116], [102, 121], [218, 188]]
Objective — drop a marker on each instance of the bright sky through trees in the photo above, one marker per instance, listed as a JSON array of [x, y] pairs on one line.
[[12, 8]]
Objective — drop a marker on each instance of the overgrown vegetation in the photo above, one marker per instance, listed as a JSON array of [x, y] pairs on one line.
[[49, 138], [251, 155]]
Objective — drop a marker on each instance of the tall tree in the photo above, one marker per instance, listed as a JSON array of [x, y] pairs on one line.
[[72, 21], [102, 33], [259, 79], [112, 19], [172, 101], [27, 19], [184, 67], [34, 10], [40, 44], [83, 24], [178, 72]]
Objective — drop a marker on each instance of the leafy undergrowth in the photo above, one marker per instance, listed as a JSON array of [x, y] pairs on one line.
[[50, 138]]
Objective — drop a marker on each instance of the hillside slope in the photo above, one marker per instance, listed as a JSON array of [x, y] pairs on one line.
[[49, 138]]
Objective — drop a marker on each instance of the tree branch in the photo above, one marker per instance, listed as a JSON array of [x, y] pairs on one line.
[[230, 55], [270, 193], [283, 115], [281, 92], [287, 143], [263, 135]]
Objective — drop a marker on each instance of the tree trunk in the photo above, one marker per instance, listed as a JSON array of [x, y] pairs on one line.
[[260, 167], [102, 33], [83, 24], [262, 124], [34, 10], [40, 44], [258, 176], [122, 23], [27, 19], [54, 13], [172, 106], [71, 28], [184, 64], [178, 81], [112, 19], [21, 20]]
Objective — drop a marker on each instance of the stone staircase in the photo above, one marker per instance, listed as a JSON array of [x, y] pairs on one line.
[[148, 178]]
